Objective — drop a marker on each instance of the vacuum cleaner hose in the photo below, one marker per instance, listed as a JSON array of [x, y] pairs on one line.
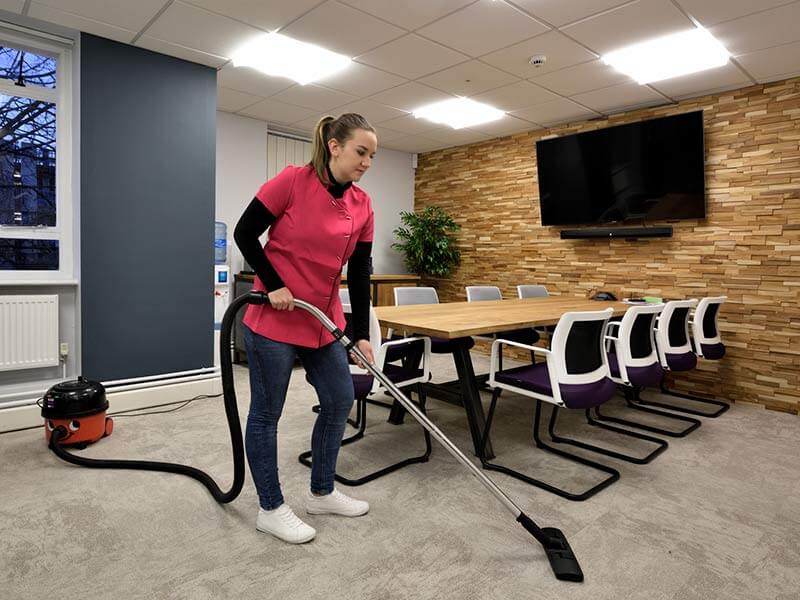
[[231, 412]]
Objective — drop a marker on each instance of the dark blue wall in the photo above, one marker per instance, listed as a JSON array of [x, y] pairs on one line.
[[148, 138]]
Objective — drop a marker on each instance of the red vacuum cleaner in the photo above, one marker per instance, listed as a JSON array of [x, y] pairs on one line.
[[78, 408], [75, 414]]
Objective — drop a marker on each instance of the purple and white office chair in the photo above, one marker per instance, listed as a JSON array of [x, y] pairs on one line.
[[365, 386], [634, 365], [483, 293], [424, 295], [575, 374], [678, 351]]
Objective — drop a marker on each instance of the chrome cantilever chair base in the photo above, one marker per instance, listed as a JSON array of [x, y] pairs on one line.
[[633, 401], [722, 407], [361, 419], [613, 474]]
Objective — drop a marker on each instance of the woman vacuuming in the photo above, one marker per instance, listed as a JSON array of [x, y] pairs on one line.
[[318, 222]]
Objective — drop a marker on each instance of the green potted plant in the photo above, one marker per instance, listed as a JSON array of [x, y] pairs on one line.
[[426, 243]]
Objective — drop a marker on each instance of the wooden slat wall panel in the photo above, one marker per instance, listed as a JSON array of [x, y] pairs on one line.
[[747, 248]]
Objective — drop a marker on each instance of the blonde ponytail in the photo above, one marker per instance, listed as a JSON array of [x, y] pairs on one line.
[[320, 155]]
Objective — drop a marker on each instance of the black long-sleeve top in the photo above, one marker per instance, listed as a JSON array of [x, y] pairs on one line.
[[256, 219]]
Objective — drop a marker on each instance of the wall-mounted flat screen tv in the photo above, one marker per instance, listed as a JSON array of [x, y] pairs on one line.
[[651, 170]]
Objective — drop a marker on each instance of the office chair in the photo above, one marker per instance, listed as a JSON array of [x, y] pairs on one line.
[[705, 343], [633, 364], [424, 295], [574, 375], [672, 318], [481, 293], [532, 291], [365, 386]]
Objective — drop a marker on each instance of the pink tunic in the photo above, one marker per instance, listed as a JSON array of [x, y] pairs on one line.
[[310, 241]]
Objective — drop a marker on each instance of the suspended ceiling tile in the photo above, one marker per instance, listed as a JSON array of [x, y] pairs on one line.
[[132, 16], [508, 125], [766, 29], [561, 12], [372, 111], [66, 19], [268, 16], [276, 112], [560, 51], [554, 112], [409, 15], [410, 125], [342, 29], [629, 24], [150, 43], [712, 12], [361, 80], [619, 97], [483, 27], [314, 97], [229, 100], [726, 77], [468, 79], [581, 78], [517, 95], [772, 63], [410, 96], [251, 81], [412, 56], [192, 27]]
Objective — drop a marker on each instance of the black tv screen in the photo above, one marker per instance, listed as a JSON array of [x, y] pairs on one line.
[[651, 170]]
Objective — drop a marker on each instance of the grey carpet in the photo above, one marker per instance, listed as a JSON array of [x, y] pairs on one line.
[[716, 516]]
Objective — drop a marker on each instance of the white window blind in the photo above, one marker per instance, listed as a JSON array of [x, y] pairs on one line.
[[284, 150]]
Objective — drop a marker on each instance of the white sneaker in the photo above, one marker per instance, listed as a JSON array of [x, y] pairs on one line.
[[335, 503], [285, 525]]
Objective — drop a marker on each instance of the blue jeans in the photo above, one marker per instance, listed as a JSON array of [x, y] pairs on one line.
[[271, 364]]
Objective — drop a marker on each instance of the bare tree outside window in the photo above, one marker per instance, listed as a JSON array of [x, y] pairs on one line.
[[24, 68], [27, 143]]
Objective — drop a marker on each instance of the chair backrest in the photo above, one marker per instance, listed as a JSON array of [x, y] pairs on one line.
[[704, 322], [415, 295], [578, 349], [636, 345], [478, 293], [672, 331], [532, 291]]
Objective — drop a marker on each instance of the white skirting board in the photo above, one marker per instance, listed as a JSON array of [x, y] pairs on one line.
[[22, 417]]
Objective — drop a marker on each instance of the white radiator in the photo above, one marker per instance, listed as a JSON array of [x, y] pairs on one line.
[[28, 332]]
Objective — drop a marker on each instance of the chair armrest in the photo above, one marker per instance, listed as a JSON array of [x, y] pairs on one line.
[[538, 349]]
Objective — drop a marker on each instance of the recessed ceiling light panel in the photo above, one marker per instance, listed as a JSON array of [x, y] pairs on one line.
[[281, 56], [459, 113], [669, 56]]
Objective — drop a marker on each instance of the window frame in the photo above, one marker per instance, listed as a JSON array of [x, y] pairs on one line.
[[61, 96]]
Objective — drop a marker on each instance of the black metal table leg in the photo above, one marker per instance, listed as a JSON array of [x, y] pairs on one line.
[[470, 396]]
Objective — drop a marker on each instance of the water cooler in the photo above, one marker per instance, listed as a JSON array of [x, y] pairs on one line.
[[222, 282]]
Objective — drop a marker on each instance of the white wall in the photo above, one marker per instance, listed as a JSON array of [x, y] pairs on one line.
[[242, 168], [390, 184]]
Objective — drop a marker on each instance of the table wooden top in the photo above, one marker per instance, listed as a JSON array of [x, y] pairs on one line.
[[461, 319]]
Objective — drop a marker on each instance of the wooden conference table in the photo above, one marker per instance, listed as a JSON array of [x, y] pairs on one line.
[[460, 320]]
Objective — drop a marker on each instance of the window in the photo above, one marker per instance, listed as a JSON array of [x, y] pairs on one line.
[[36, 213]]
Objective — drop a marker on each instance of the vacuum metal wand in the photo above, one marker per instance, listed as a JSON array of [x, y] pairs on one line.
[[562, 560]]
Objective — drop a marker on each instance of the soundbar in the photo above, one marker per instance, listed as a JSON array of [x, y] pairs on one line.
[[615, 232]]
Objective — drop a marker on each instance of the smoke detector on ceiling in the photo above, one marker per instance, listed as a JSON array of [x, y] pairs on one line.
[[537, 60]]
